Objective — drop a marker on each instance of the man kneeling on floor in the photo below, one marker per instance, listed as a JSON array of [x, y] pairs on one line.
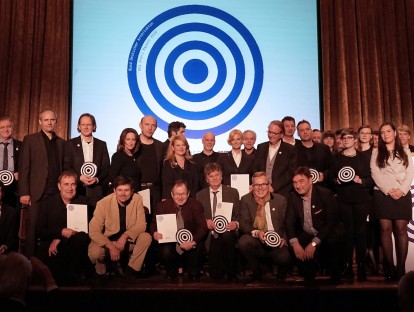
[[117, 229]]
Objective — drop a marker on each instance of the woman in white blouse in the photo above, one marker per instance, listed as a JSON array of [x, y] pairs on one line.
[[392, 170]]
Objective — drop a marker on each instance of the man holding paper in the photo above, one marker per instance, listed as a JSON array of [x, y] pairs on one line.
[[62, 248], [188, 215], [220, 200], [117, 229]]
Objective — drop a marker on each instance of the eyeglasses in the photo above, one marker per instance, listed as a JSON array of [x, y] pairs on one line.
[[365, 133], [273, 133], [261, 185], [180, 195], [349, 137]]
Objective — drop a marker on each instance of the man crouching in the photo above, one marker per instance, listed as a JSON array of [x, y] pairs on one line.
[[117, 229]]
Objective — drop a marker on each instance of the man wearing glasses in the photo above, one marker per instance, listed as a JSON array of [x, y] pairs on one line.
[[263, 211], [277, 159], [190, 216]]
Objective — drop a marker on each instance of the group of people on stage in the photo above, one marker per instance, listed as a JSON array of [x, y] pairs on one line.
[[312, 196]]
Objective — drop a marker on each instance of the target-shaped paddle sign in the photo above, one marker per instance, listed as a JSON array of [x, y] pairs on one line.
[[183, 236], [197, 64], [7, 177], [221, 223], [272, 239], [346, 174], [89, 169], [314, 175]]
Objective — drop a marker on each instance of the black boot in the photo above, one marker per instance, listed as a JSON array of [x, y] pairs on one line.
[[362, 272], [348, 272]]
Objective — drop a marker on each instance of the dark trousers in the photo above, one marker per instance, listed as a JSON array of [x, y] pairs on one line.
[[354, 217], [330, 252], [190, 260], [221, 255], [255, 252], [71, 259]]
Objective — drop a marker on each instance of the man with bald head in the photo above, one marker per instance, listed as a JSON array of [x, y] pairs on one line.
[[206, 156], [40, 164], [151, 157]]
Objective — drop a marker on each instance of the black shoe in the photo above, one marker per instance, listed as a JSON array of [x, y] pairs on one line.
[[194, 278], [348, 271], [361, 273]]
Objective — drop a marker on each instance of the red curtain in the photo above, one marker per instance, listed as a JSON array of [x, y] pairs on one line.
[[34, 61]]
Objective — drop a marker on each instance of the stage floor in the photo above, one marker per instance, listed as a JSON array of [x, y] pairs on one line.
[[159, 294]]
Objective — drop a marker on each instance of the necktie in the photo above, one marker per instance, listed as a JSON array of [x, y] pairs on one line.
[[180, 220], [5, 156], [214, 203], [180, 225], [215, 235]]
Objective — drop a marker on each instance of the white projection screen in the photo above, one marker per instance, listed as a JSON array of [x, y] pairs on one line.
[[214, 65]]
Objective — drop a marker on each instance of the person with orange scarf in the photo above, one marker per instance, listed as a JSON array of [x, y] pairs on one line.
[[261, 212]]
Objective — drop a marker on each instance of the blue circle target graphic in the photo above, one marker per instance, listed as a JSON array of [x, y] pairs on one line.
[[221, 83]]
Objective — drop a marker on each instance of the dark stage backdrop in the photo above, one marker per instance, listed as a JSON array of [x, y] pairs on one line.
[[367, 59]]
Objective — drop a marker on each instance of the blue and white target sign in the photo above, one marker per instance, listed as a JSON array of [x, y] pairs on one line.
[[195, 63]]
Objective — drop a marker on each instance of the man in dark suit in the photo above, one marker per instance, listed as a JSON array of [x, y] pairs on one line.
[[313, 155], [9, 156], [263, 211], [289, 125], [190, 216], [312, 227], [87, 148], [63, 249], [9, 225], [40, 164], [220, 246], [277, 159]]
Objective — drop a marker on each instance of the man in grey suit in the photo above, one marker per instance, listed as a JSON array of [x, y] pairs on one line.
[[40, 164], [277, 159], [220, 246], [263, 211], [87, 148]]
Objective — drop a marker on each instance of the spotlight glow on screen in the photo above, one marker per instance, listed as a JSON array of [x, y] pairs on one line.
[[214, 65]]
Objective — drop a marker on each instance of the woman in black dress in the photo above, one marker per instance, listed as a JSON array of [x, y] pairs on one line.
[[353, 183], [178, 165], [125, 160]]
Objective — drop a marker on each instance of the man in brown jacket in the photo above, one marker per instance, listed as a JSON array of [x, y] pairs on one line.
[[117, 229]]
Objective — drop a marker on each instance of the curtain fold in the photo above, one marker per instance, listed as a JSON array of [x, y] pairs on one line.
[[34, 62], [367, 61]]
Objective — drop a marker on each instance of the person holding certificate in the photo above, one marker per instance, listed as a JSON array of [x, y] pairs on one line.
[[62, 248], [188, 215], [117, 230], [220, 201]]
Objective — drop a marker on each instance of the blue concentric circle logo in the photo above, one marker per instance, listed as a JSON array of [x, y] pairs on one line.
[[197, 64]]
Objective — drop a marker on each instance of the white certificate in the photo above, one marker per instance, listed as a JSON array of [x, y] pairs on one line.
[[224, 209], [241, 183], [167, 226], [77, 217], [146, 199]]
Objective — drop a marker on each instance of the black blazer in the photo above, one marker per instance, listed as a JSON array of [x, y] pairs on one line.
[[9, 227], [283, 169], [229, 167], [323, 210], [172, 174], [74, 159], [33, 165]]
